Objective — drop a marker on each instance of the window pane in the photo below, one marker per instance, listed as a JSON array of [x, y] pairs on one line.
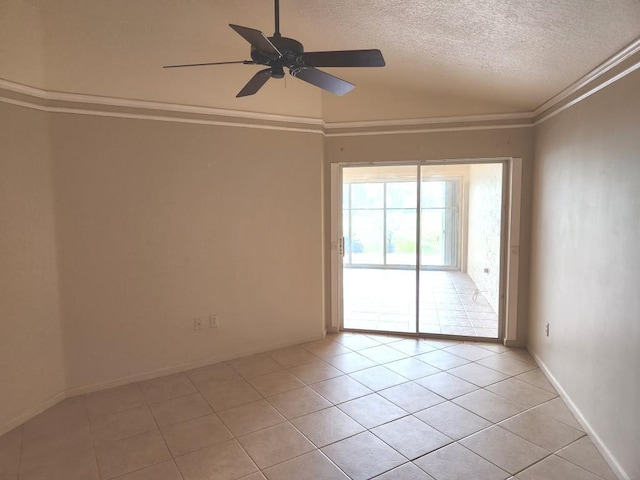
[[367, 232], [432, 237], [401, 237], [367, 195], [432, 195], [401, 195]]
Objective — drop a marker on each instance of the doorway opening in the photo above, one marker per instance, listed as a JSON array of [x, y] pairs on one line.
[[422, 248]]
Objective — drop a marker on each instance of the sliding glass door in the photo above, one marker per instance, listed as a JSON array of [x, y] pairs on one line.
[[379, 218], [422, 248]]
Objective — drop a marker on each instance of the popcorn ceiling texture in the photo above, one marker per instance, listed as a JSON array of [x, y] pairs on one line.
[[486, 56]]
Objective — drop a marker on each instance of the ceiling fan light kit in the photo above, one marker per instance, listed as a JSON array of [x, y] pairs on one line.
[[278, 52]]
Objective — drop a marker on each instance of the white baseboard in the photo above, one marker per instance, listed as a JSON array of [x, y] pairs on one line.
[[595, 438], [94, 387], [32, 412], [160, 372]]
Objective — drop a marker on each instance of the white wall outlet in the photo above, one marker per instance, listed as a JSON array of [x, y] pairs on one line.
[[197, 323], [214, 321], [546, 329]]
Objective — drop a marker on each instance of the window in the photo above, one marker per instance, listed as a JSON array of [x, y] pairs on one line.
[[379, 223]]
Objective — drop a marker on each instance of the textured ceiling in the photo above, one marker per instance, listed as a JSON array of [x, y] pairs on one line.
[[444, 57]]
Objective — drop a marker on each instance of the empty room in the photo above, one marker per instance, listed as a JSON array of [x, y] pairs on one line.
[[276, 240]]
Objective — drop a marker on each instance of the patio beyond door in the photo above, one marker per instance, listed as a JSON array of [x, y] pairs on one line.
[[407, 238]]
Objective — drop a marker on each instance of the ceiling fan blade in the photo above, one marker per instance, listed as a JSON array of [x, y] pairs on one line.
[[344, 58], [323, 80], [256, 83], [257, 39], [245, 62]]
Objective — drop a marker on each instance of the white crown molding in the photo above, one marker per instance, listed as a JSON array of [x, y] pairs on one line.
[[590, 92], [494, 117], [618, 66], [76, 98], [159, 117], [49, 101], [427, 130], [606, 66]]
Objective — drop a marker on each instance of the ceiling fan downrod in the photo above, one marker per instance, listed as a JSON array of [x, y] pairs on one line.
[[279, 53], [277, 15]]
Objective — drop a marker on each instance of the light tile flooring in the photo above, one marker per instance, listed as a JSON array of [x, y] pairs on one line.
[[384, 300], [350, 406]]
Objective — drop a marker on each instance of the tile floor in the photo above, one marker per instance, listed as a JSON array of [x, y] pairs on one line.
[[352, 406], [384, 300]]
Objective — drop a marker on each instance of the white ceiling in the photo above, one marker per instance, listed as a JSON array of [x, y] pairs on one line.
[[444, 57]]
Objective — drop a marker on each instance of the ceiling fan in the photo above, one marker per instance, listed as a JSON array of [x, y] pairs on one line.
[[278, 52]]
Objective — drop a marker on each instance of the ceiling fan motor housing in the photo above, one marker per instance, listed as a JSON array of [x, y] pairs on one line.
[[279, 53], [290, 49]]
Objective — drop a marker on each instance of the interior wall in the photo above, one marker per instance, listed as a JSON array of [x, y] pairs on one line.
[[470, 144], [484, 228], [160, 223], [22, 45], [585, 260], [31, 359]]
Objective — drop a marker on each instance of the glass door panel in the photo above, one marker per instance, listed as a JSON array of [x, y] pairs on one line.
[[422, 248], [458, 280], [366, 243], [379, 264], [439, 203]]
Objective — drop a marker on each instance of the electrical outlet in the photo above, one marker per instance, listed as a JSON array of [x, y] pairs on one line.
[[546, 329], [214, 322], [197, 323]]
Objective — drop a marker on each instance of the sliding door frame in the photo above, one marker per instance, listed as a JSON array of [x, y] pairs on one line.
[[509, 248]]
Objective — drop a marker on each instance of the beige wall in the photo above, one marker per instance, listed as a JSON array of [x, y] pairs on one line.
[[508, 142], [31, 358], [117, 233], [585, 262], [163, 222], [22, 45]]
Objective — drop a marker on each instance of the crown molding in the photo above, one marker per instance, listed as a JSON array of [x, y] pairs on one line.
[[618, 66], [71, 103], [499, 117], [579, 97], [61, 102], [611, 70], [428, 125], [427, 129], [77, 98], [629, 51]]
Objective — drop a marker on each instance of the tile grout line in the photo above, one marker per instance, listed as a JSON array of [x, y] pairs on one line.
[[164, 441], [439, 348], [573, 463], [20, 451], [93, 443]]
